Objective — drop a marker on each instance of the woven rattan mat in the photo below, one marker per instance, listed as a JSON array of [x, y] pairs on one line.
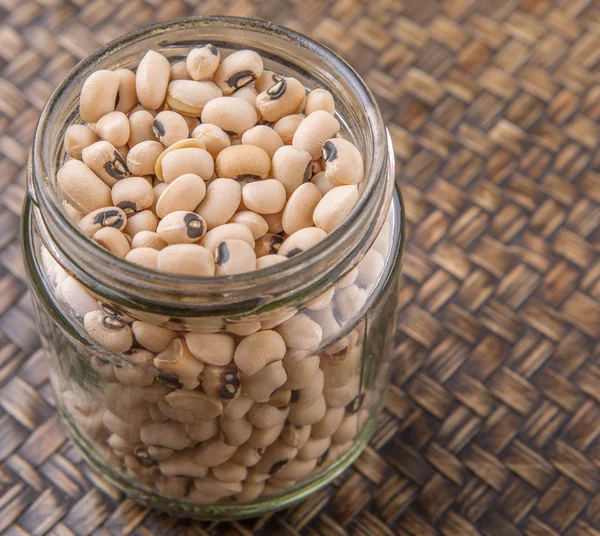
[[493, 423]]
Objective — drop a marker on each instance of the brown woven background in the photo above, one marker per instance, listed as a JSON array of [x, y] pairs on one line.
[[493, 423]]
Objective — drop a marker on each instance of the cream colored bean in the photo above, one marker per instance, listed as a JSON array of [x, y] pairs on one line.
[[103, 217], [319, 99], [214, 452], [291, 167], [322, 301], [170, 434], [286, 127], [151, 337], [264, 197], [234, 257], [212, 487], [268, 244], [127, 431], [341, 371], [98, 95], [203, 407], [77, 138], [275, 482], [247, 456], [106, 162], [138, 374], [255, 222], [349, 302], [249, 94], [335, 207], [264, 137], [142, 157], [230, 472], [370, 268], [179, 71], [234, 116], [314, 131], [186, 259], [262, 438], [221, 382], [151, 79], [266, 80], [343, 162], [314, 448], [298, 211], [258, 350], [275, 458], [211, 348], [175, 488], [220, 203], [214, 138], [177, 359], [281, 99], [174, 414], [120, 446], [76, 297], [126, 97], [280, 398], [295, 436], [348, 279], [140, 221], [148, 239], [114, 128], [321, 181], [108, 331], [267, 416], [301, 333], [301, 240], [113, 240], [261, 385], [203, 431], [347, 430], [340, 397], [183, 463], [227, 231], [309, 415], [269, 260], [170, 127], [307, 395], [190, 97], [326, 427], [132, 194], [140, 127], [235, 433], [297, 469], [238, 70], [185, 156], [202, 61], [237, 408], [243, 163], [181, 227], [300, 371], [256, 477]]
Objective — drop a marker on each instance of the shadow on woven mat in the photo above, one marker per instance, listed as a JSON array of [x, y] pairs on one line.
[[492, 424]]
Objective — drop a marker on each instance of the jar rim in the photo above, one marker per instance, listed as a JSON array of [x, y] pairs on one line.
[[56, 219]]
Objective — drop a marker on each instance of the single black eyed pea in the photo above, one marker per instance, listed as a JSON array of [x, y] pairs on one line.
[[172, 487], [321, 181], [291, 167], [179, 71], [140, 127], [103, 217], [334, 207], [264, 197], [214, 452], [142, 157], [269, 244], [77, 138], [189, 97], [186, 259], [243, 163], [202, 431], [246, 455], [151, 337], [275, 482], [175, 414], [230, 472], [215, 488], [214, 138], [256, 477], [343, 162], [82, 188], [300, 370], [275, 458], [249, 94], [340, 397], [258, 350], [140, 221], [370, 268], [281, 99], [262, 438], [151, 79], [326, 427], [295, 436], [203, 407], [286, 127], [105, 161], [132, 194], [266, 416], [349, 302], [319, 99], [170, 127], [185, 193], [113, 240], [202, 61], [260, 386], [297, 469], [109, 332], [234, 116], [227, 231], [221, 382], [234, 257], [126, 97], [135, 370], [264, 137], [114, 128], [314, 131], [181, 227], [301, 240], [238, 70], [235, 432], [98, 95], [237, 408], [185, 156], [266, 80], [220, 202], [182, 463], [79, 300], [269, 260], [146, 257], [128, 431], [170, 434], [255, 222], [301, 333], [348, 279], [314, 448], [310, 415], [274, 221], [340, 372], [211, 348], [307, 395], [298, 211], [148, 239]]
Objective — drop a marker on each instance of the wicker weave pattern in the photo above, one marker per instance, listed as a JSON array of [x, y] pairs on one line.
[[492, 425]]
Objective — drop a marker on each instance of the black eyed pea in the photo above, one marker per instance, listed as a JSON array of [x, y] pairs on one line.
[[214, 138], [281, 99], [322, 301], [249, 94], [142, 157], [220, 202], [185, 156], [172, 487], [151, 79], [202, 61], [126, 97], [156, 415], [104, 160], [103, 217], [269, 260], [349, 302], [370, 269], [274, 221], [202, 431], [77, 138], [256, 477], [243, 163], [139, 107], [314, 448], [98, 95], [120, 447], [307, 395], [264, 197], [319, 99], [82, 188], [340, 372], [186, 259], [237, 432], [182, 463], [271, 320], [301, 333], [286, 127], [275, 458], [301, 240], [136, 368], [255, 222], [151, 337], [170, 127], [300, 371], [227, 231], [148, 239], [321, 181], [348, 429], [335, 207], [113, 240], [234, 116], [132, 194], [114, 128], [258, 350], [298, 211], [234, 257], [127, 431], [177, 359], [280, 483], [230, 472], [297, 469], [204, 407], [269, 244], [247, 456], [179, 71], [343, 162], [280, 398], [211, 348], [348, 279], [174, 414], [140, 221], [291, 167], [295, 436], [237, 408], [238, 70], [261, 438], [325, 428], [214, 452], [109, 332], [310, 415], [170, 434], [72, 293], [264, 137], [266, 80], [314, 131], [215, 488], [155, 393], [340, 397], [181, 227], [189, 97], [267, 416], [184, 193], [221, 382], [260, 386], [140, 127]]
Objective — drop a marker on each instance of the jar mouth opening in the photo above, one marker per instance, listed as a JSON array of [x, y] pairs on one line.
[[43, 194]]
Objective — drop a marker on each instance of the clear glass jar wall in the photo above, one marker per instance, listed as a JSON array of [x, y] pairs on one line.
[[153, 397]]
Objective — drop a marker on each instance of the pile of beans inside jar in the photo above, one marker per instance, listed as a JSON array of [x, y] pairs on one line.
[[213, 409]]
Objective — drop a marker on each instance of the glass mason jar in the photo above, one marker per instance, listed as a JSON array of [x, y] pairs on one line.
[[151, 395]]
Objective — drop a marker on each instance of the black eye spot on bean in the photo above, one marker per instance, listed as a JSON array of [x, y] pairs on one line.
[[169, 379], [329, 152], [278, 465], [158, 128], [194, 225], [128, 207], [230, 132], [231, 384], [117, 168], [109, 218], [275, 243], [321, 459], [213, 50], [295, 395], [294, 252], [117, 99], [356, 403], [307, 172], [247, 177], [222, 254], [241, 79], [277, 90], [110, 322]]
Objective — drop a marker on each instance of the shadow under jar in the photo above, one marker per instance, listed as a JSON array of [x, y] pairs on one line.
[[208, 441]]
